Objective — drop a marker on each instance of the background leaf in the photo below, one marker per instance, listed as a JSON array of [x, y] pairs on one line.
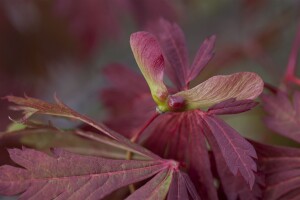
[[283, 115]]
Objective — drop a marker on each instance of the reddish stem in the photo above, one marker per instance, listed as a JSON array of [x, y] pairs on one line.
[[138, 134], [291, 66]]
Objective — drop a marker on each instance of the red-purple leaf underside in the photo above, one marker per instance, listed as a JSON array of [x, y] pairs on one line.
[[284, 117], [278, 164], [69, 176], [232, 106], [178, 189], [174, 48], [156, 188], [237, 152], [204, 55], [182, 187], [282, 183], [191, 188], [281, 166], [198, 158], [32, 106], [235, 187]]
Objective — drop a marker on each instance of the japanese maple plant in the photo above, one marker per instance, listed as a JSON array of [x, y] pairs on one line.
[[163, 138]]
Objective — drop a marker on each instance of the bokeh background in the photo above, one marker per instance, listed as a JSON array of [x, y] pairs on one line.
[[61, 46]]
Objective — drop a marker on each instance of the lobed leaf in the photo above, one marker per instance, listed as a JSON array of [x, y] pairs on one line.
[[231, 106], [173, 43], [237, 189], [198, 159], [149, 57], [204, 55], [45, 138], [32, 106], [237, 152], [187, 145], [177, 188], [156, 188], [241, 86], [281, 166], [283, 115], [66, 175]]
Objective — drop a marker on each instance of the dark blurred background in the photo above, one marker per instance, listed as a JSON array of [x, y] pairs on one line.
[[60, 46]]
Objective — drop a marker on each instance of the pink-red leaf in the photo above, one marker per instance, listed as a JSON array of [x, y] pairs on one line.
[[187, 146], [281, 166], [284, 117], [156, 188], [237, 189], [148, 55], [237, 152], [173, 43], [204, 55], [32, 106], [232, 106], [67, 175], [177, 188], [199, 169]]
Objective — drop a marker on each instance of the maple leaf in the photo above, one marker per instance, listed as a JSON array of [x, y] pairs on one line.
[[234, 187], [149, 57], [83, 177], [32, 106], [283, 115], [243, 86], [65, 175], [44, 137], [181, 125], [237, 151], [281, 167]]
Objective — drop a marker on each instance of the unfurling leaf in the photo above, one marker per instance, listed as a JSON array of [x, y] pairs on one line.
[[241, 86], [284, 117], [150, 60]]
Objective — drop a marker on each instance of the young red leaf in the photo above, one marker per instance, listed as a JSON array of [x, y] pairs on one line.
[[204, 55], [231, 106], [173, 43], [32, 106], [284, 117], [67, 175], [237, 152], [241, 86], [150, 60]]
